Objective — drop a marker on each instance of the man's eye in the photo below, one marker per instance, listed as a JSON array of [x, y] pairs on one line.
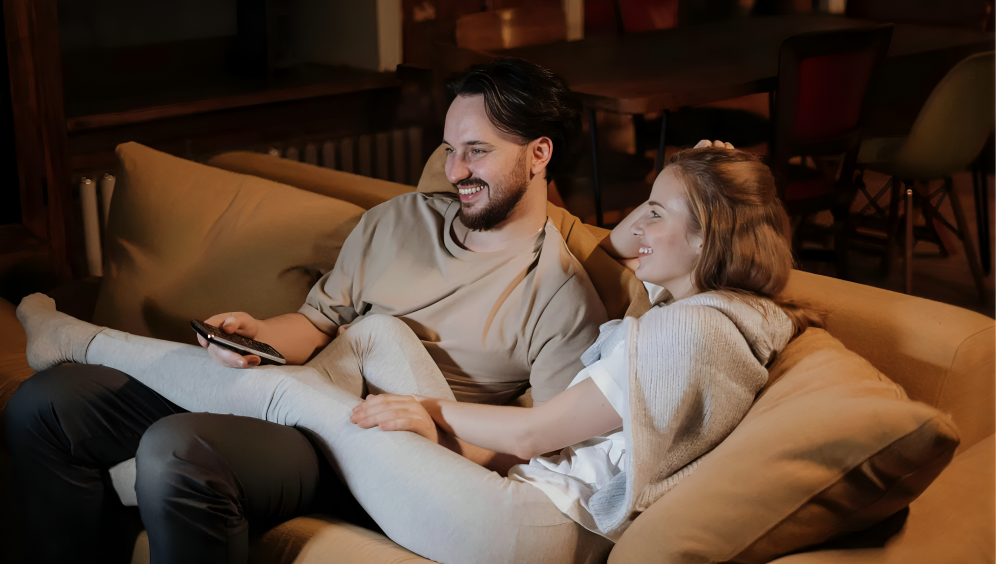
[[477, 151], [448, 149]]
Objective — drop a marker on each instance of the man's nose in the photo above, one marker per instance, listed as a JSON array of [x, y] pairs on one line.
[[456, 169]]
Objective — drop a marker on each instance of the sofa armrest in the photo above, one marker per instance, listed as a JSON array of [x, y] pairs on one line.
[[14, 367], [940, 354], [952, 521], [358, 190]]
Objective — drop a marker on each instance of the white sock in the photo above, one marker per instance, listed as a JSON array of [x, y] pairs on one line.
[[53, 337]]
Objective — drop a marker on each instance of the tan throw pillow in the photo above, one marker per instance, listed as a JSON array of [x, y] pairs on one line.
[[189, 241], [829, 447]]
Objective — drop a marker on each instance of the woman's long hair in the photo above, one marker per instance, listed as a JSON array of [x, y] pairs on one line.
[[734, 206]]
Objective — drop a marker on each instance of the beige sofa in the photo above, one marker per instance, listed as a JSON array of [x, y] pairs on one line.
[[822, 469]]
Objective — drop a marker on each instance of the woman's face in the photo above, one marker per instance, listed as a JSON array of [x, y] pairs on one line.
[[668, 250]]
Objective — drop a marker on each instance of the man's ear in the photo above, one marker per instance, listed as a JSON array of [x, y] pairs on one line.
[[539, 153]]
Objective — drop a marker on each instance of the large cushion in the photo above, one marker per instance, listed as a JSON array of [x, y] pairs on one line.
[[186, 241], [961, 503], [829, 447]]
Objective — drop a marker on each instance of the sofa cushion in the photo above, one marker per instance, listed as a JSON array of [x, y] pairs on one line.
[[830, 446], [953, 521], [185, 241]]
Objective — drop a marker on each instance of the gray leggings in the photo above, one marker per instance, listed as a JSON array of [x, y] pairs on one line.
[[425, 497]]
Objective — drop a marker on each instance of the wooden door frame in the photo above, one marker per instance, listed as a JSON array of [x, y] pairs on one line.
[[40, 136]]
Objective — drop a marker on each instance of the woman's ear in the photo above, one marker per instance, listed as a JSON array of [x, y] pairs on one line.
[[540, 151]]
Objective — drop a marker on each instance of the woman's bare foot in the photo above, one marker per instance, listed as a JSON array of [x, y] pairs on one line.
[[53, 337]]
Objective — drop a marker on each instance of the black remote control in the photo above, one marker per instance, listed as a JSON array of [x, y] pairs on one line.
[[238, 343]]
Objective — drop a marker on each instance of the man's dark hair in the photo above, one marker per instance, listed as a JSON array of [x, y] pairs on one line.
[[527, 101]]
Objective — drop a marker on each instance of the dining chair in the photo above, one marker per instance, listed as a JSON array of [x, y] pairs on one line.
[[949, 133], [817, 112], [969, 14], [608, 17]]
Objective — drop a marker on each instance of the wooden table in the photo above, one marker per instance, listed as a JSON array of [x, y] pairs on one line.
[[664, 70]]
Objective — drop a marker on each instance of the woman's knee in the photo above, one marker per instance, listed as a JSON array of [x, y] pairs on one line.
[[380, 324]]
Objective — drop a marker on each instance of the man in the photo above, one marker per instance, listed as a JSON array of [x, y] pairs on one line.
[[483, 279]]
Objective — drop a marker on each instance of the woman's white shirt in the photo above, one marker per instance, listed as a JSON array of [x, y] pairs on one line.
[[572, 476]]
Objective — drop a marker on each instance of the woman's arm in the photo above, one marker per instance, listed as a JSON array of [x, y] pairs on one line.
[[621, 244], [578, 413]]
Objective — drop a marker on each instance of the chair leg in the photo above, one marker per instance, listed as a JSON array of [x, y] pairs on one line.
[[980, 184], [908, 243], [892, 229], [593, 130], [970, 254]]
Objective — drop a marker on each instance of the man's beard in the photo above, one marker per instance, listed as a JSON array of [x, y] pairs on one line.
[[503, 196]]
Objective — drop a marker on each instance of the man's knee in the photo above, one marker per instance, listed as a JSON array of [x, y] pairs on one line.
[[49, 397], [175, 462]]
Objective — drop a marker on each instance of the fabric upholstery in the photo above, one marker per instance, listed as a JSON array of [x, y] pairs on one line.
[[362, 191], [941, 355], [189, 241], [14, 367], [961, 502], [830, 446]]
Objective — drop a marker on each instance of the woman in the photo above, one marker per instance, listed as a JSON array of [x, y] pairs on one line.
[[678, 380]]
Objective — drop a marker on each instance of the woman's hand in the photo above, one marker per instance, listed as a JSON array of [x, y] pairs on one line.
[[238, 323], [395, 413], [630, 263], [717, 144]]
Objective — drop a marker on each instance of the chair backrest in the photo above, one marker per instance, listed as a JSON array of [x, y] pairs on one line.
[[511, 27], [955, 121], [969, 14], [610, 17], [822, 81]]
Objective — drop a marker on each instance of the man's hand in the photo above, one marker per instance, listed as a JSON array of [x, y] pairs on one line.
[[239, 323], [717, 144], [395, 413]]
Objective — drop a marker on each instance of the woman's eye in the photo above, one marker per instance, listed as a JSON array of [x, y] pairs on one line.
[[654, 214]]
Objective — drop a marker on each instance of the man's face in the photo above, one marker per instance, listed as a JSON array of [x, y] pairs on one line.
[[489, 169]]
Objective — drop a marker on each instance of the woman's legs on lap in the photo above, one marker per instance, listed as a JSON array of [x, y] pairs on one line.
[[423, 496], [383, 353]]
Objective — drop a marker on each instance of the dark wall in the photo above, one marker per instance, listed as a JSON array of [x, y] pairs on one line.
[[10, 192]]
